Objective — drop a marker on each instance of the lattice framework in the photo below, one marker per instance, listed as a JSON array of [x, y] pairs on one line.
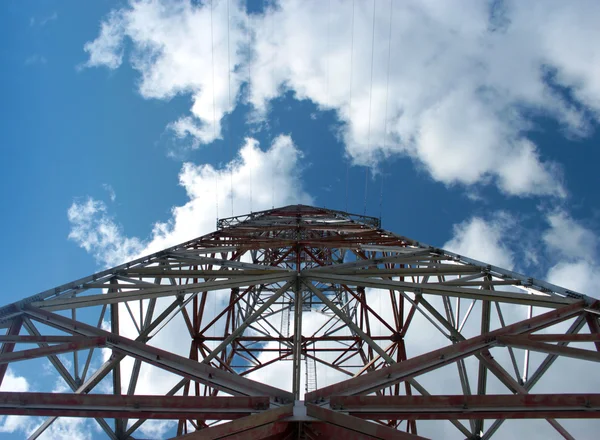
[[353, 374]]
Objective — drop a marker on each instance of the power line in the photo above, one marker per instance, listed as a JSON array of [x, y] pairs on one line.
[[275, 92], [370, 101], [387, 88], [229, 99], [212, 41], [249, 96], [328, 54], [350, 100]]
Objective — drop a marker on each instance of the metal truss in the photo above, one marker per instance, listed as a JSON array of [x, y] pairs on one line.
[[244, 295]]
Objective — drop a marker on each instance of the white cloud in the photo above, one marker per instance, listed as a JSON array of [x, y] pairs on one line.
[[447, 106], [567, 238], [107, 49], [43, 21], [173, 45], [260, 179], [35, 59], [462, 81], [580, 276], [483, 240], [573, 248], [14, 383], [111, 191], [95, 231]]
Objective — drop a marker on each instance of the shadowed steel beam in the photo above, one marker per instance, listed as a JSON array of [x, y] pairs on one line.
[[519, 406], [241, 426], [435, 289], [349, 322], [150, 407], [437, 358], [8, 347], [355, 424], [52, 350], [214, 377], [543, 347], [240, 329], [157, 292]]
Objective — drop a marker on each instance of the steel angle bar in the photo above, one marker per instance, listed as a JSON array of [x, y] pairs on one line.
[[67, 347], [228, 263], [538, 284], [32, 339], [420, 364], [158, 292], [243, 426], [433, 270], [53, 359], [537, 375], [559, 337], [241, 327], [435, 289], [149, 407], [214, 377], [349, 322], [8, 347], [594, 325], [141, 421], [543, 347], [366, 262], [417, 386], [357, 425], [501, 406]]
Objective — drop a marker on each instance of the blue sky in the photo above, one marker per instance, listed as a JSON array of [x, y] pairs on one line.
[[121, 125]]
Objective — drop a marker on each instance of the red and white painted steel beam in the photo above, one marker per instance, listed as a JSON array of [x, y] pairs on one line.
[[519, 406], [123, 406]]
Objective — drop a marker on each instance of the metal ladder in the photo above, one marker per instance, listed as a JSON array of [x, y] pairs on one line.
[[285, 326], [311, 372]]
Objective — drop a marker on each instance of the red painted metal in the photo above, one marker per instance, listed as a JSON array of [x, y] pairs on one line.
[[470, 407], [67, 347], [357, 425], [8, 347], [149, 407], [437, 358], [246, 426], [317, 251]]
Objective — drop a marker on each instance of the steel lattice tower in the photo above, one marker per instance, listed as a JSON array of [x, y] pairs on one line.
[[322, 299]]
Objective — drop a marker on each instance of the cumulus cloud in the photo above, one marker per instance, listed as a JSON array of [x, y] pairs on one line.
[[95, 230], [573, 249], [483, 240], [14, 383], [454, 90], [179, 48], [567, 252], [255, 179], [568, 238]]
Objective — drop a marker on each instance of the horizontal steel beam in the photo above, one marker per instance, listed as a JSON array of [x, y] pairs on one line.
[[357, 425], [519, 406], [214, 377], [157, 292], [429, 361], [147, 407], [440, 289], [243, 427], [67, 347], [544, 347]]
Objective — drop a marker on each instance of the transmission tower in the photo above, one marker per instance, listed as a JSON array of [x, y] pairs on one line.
[[304, 322]]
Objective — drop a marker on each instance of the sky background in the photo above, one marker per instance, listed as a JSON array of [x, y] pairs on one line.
[[130, 126]]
